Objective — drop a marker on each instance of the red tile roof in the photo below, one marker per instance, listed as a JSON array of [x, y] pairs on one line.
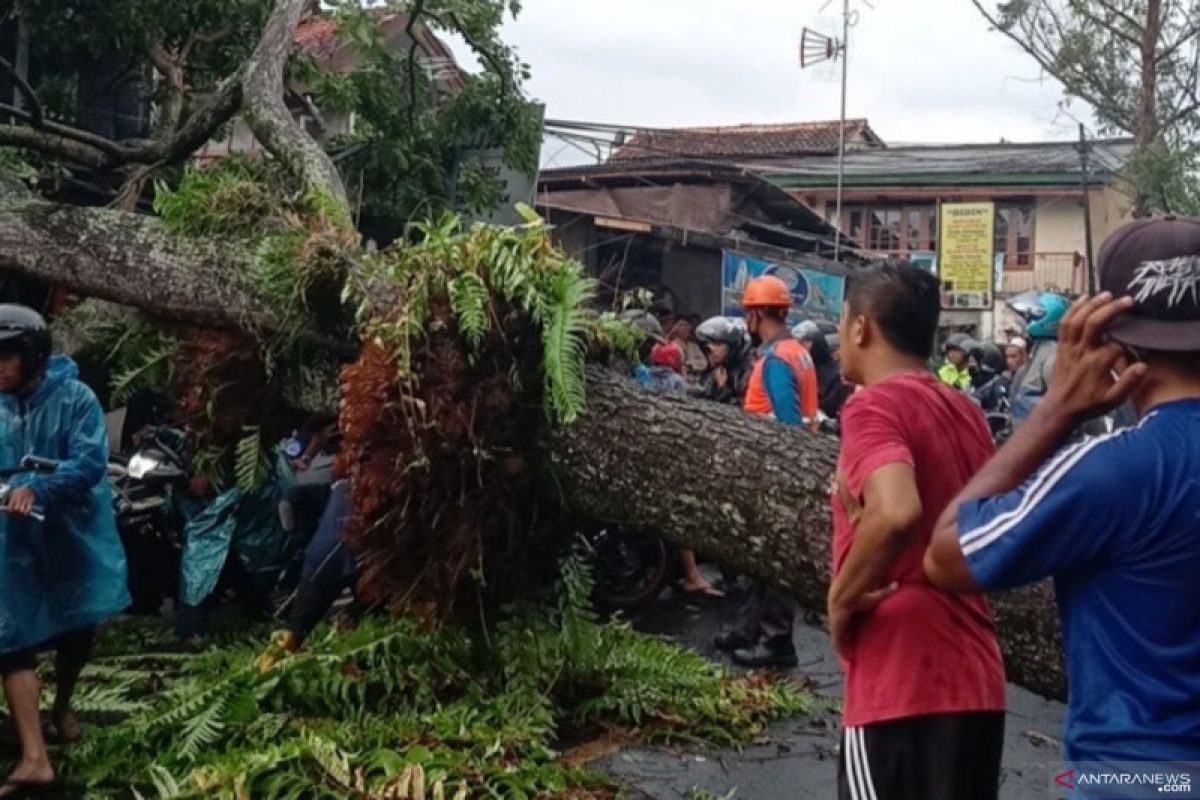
[[745, 141], [319, 37]]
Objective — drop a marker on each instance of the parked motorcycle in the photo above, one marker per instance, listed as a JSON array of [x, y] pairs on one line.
[[629, 568], [145, 489]]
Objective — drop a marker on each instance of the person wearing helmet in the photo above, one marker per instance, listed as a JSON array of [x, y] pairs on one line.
[[62, 576], [989, 384], [832, 391], [783, 386], [1042, 312], [727, 345], [955, 371]]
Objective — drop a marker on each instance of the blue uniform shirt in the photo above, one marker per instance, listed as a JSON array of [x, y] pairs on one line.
[[780, 382], [1116, 521]]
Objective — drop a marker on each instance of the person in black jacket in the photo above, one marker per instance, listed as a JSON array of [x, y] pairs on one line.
[[727, 345], [832, 391]]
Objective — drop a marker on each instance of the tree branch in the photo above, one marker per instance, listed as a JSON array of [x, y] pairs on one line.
[[49, 144], [410, 29], [1130, 21], [1047, 64], [170, 67], [205, 38], [133, 260], [37, 115], [484, 53], [1187, 36], [268, 115]]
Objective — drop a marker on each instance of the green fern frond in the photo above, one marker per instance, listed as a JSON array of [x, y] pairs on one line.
[[469, 298], [564, 348], [153, 371], [253, 461], [202, 729]]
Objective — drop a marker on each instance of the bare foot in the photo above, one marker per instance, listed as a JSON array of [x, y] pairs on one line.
[[66, 726]]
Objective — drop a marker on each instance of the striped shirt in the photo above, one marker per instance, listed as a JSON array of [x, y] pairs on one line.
[[1115, 520]]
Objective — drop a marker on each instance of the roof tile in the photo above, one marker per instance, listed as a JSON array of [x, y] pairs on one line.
[[745, 141]]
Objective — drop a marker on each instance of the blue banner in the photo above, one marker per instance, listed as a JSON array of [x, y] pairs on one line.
[[815, 294]]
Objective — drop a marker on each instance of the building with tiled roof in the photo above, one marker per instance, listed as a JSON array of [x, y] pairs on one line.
[[787, 140], [320, 38]]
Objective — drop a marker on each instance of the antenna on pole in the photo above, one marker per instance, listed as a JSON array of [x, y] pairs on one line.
[[821, 47]]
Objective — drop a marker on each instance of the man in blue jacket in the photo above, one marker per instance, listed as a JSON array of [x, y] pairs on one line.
[[1113, 519], [61, 577]]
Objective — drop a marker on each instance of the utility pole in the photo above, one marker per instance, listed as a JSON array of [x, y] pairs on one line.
[[837, 219], [1085, 149]]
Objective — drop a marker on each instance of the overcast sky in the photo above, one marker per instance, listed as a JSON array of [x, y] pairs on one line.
[[920, 70]]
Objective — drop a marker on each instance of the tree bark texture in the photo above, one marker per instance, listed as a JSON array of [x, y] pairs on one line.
[[750, 493], [268, 115], [132, 260]]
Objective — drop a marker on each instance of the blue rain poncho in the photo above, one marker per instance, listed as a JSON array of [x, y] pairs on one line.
[[68, 572], [246, 524]]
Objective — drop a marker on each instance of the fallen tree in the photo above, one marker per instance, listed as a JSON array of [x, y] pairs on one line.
[[749, 493], [754, 494]]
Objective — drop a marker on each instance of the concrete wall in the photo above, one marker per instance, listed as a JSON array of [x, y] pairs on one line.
[[694, 277], [1058, 224], [1110, 210]]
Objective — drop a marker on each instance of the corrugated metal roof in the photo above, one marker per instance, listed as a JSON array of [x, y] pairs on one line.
[[942, 161], [745, 141]]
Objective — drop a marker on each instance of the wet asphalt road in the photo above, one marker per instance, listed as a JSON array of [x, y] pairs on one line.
[[797, 758]]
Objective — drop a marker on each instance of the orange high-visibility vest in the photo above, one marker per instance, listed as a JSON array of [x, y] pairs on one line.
[[796, 356]]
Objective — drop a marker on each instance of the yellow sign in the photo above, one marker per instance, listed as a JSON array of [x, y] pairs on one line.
[[965, 254]]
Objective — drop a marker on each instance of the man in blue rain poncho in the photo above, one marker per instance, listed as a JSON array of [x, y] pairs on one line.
[[60, 577]]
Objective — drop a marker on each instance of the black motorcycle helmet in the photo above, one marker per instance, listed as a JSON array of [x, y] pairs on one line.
[[959, 341], [24, 333], [989, 357], [727, 330]]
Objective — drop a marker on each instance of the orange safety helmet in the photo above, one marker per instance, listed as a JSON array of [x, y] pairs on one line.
[[766, 291]]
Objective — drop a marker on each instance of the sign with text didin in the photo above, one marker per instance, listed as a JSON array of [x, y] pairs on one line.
[[815, 294], [965, 255]]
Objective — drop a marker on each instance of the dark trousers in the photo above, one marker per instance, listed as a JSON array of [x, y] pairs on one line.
[[766, 613], [328, 567], [935, 757], [72, 648]]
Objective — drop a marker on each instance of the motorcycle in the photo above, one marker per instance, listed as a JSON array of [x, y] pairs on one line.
[[629, 569], [145, 488]]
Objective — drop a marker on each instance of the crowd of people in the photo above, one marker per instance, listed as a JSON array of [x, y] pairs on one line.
[[927, 515]]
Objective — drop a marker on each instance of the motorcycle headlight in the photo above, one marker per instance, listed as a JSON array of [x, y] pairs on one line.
[[140, 466]]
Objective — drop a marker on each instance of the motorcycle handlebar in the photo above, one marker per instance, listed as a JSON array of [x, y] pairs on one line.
[[38, 464]]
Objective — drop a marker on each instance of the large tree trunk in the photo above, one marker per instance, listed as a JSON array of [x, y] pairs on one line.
[[132, 260], [751, 493]]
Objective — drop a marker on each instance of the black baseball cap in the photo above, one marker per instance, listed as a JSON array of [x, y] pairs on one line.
[[1157, 262]]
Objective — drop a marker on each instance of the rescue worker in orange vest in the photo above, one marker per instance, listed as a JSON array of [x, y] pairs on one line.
[[783, 386]]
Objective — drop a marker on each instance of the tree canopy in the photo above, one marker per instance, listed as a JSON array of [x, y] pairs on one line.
[[1136, 63]]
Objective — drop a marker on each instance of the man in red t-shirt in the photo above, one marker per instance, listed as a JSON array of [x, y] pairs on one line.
[[924, 684]]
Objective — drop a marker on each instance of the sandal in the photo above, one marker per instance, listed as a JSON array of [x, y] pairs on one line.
[[23, 790], [707, 591]]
